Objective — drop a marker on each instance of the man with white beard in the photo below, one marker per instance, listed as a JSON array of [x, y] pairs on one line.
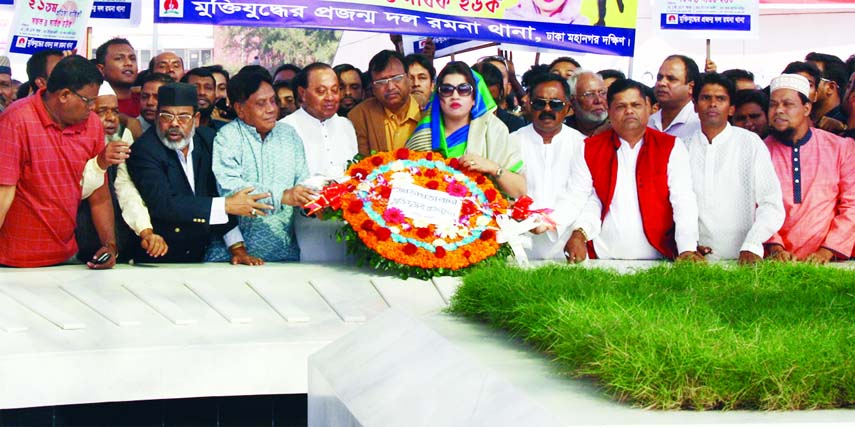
[[588, 95], [171, 167]]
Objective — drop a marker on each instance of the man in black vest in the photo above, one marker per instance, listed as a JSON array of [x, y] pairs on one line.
[[171, 167]]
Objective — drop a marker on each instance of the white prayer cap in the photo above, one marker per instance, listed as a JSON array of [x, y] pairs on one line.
[[795, 82], [106, 89]]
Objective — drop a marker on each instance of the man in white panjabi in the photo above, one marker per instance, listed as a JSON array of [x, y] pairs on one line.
[[329, 141], [549, 146], [640, 182], [739, 196]]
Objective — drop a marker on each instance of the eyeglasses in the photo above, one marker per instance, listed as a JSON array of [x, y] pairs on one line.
[[445, 90], [540, 104], [169, 117], [393, 79], [591, 94], [88, 101]]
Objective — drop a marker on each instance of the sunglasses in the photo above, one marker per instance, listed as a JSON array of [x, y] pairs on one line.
[[540, 104], [445, 90]]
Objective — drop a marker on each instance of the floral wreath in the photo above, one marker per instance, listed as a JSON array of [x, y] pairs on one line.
[[387, 238]]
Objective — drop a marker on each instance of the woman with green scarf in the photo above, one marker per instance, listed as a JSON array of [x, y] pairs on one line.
[[460, 123]]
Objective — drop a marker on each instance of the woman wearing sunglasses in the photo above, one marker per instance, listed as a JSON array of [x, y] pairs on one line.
[[460, 123]]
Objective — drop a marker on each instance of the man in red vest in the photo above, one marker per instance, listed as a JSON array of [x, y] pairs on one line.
[[640, 179]]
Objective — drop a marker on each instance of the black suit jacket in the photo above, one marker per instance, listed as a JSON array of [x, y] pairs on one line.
[[177, 214]]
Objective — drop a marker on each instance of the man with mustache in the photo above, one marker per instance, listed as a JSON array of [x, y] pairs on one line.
[[588, 94], [131, 215], [206, 89], [739, 197], [673, 92], [117, 60], [329, 142], [422, 74], [350, 87], [171, 168], [641, 204], [168, 63], [148, 98], [548, 148], [814, 168], [47, 139], [386, 121]]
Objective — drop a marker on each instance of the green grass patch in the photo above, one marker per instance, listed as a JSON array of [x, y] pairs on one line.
[[773, 337]]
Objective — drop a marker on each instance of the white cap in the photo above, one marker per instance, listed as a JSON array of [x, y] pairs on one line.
[[106, 89], [796, 82]]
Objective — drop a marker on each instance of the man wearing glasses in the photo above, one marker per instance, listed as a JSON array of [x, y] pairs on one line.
[[386, 121], [171, 168], [48, 138], [548, 148], [588, 94]]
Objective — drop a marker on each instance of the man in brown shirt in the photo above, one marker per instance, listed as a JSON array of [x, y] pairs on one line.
[[386, 121]]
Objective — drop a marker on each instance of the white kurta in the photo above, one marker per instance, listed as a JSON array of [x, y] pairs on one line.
[[621, 235], [739, 195], [329, 145], [683, 126], [548, 177]]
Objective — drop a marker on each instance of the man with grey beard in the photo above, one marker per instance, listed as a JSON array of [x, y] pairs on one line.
[[171, 168], [588, 97]]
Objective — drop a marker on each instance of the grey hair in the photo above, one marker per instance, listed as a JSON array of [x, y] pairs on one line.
[[575, 77]]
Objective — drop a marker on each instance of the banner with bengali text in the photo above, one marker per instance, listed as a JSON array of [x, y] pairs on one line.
[[522, 22], [709, 19], [40, 24]]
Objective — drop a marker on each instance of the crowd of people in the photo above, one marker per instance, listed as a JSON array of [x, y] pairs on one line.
[[103, 163]]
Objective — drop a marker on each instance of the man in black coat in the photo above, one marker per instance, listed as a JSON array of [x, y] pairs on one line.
[[188, 213]]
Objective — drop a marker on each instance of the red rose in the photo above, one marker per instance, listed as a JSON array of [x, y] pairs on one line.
[[469, 208], [480, 180], [433, 185], [402, 154], [382, 233], [359, 173], [490, 194], [377, 160], [422, 233], [385, 191], [429, 156], [430, 173], [354, 206], [410, 249], [454, 163], [467, 254], [488, 235], [367, 225], [440, 252]]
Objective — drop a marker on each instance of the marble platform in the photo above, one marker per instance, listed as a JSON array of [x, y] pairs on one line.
[[71, 335]]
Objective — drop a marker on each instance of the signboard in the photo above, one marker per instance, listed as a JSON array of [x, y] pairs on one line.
[[43, 24], [567, 27], [435, 207], [116, 12], [709, 19]]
